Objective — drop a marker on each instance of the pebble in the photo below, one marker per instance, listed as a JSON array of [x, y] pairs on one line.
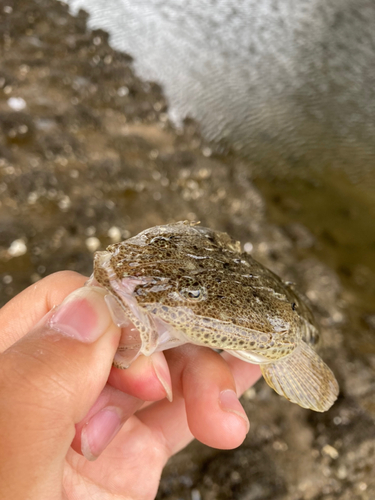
[[248, 247], [16, 103], [330, 451], [17, 248], [114, 234], [123, 91], [92, 243], [195, 495]]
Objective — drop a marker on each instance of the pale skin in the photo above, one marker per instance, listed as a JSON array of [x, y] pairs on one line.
[[73, 427]]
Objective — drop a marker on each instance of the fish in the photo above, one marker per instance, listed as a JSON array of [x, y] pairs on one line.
[[183, 283]]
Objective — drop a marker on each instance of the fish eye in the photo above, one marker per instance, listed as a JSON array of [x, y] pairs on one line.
[[193, 294], [160, 241], [192, 291]]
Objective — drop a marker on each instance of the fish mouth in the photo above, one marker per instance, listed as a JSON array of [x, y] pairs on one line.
[[141, 331], [130, 344], [158, 335]]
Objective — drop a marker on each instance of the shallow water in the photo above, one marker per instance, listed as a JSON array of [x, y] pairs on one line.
[[289, 84]]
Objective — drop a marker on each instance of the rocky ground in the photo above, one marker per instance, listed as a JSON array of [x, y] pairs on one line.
[[88, 157]]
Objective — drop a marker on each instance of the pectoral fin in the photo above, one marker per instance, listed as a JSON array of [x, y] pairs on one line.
[[303, 378]]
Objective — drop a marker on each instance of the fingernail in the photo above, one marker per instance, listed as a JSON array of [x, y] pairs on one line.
[[83, 315], [161, 370], [229, 402], [99, 431]]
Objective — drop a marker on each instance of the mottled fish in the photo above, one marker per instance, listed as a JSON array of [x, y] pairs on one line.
[[183, 283]]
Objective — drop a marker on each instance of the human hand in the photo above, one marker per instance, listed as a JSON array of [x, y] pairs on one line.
[[62, 402]]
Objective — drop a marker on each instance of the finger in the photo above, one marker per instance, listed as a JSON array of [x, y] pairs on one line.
[[169, 422], [147, 378], [49, 381], [131, 465], [213, 412], [103, 421], [172, 423], [24, 311]]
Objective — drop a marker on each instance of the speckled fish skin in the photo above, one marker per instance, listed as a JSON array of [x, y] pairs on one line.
[[183, 283]]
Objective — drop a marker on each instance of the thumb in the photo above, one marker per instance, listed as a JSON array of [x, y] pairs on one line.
[[48, 382]]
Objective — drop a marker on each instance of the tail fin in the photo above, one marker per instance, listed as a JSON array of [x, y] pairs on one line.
[[303, 378]]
